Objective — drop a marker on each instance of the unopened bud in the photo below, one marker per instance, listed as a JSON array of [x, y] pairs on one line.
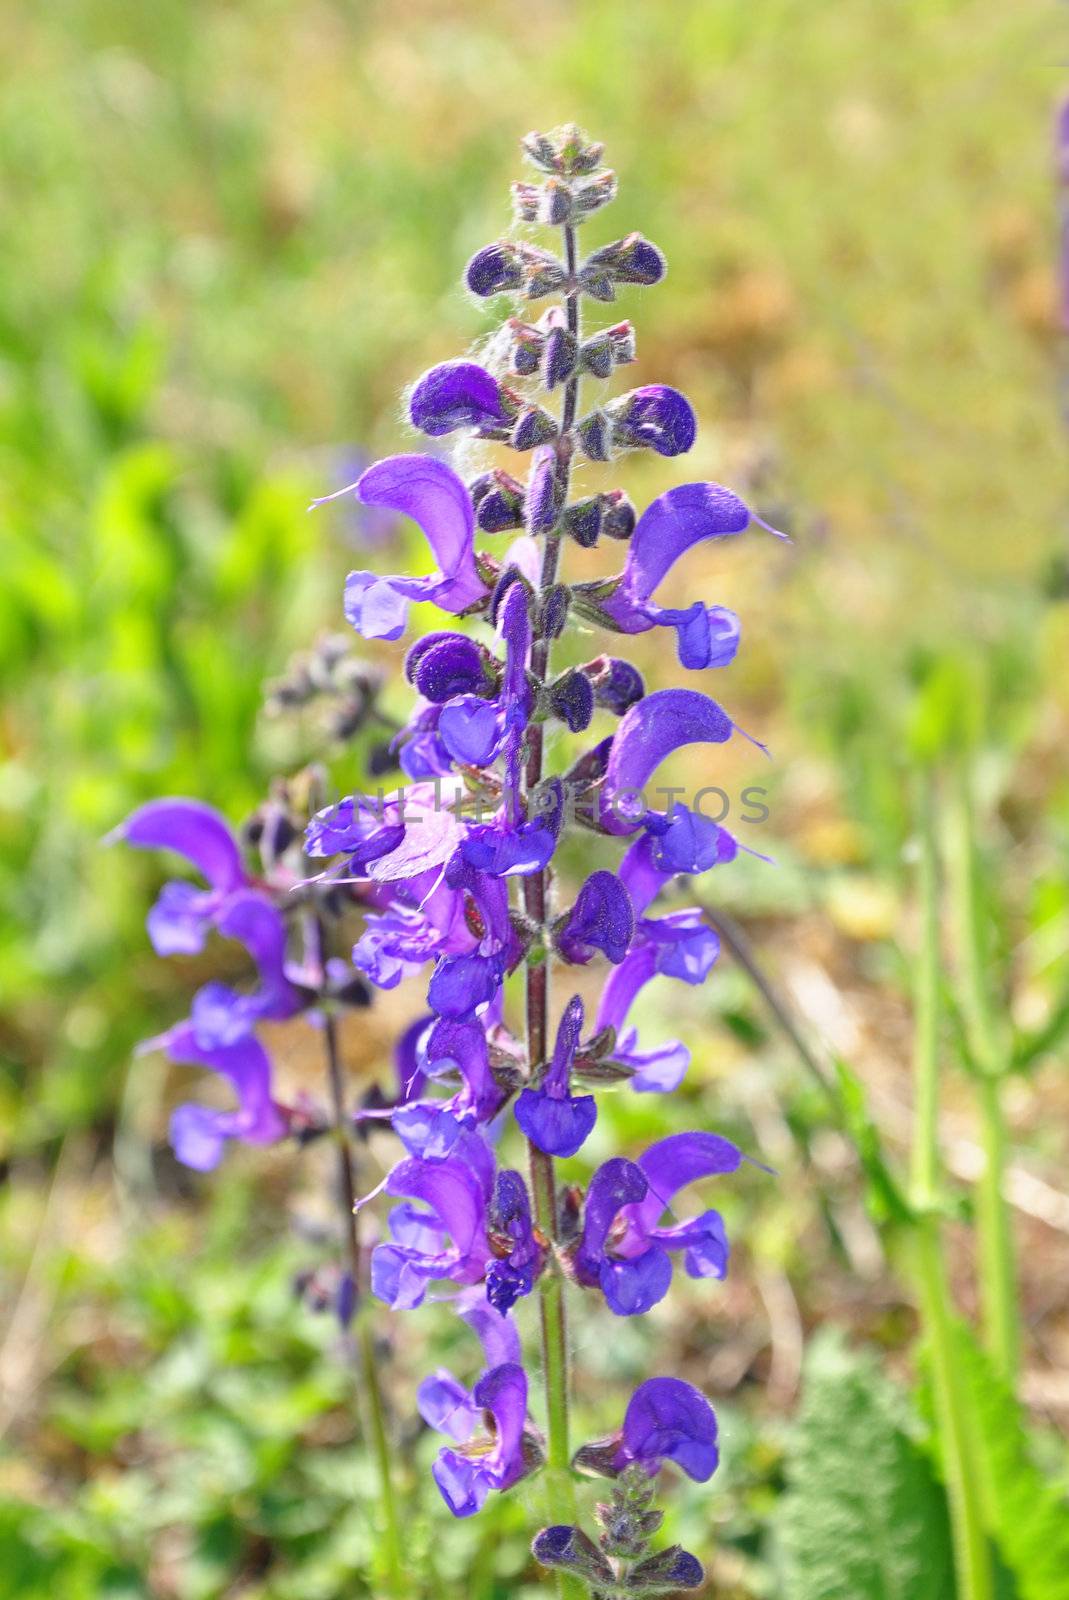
[[597, 283], [570, 1550], [595, 355], [545, 491], [655, 417], [618, 515], [630, 260], [559, 356], [582, 521], [498, 501], [496, 269], [571, 700], [501, 588], [543, 273], [533, 427], [616, 684], [540, 152], [555, 611], [593, 436], [665, 1573], [591, 196]]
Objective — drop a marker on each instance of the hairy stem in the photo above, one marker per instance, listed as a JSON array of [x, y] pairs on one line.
[[374, 1421], [986, 1042], [560, 1490], [972, 1558]]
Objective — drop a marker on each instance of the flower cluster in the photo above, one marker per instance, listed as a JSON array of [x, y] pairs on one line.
[[457, 864], [452, 873]]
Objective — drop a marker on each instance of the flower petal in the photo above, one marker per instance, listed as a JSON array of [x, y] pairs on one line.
[[671, 525], [648, 733], [558, 1124], [669, 1420], [192, 829]]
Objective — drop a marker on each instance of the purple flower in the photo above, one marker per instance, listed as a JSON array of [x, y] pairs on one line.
[[420, 752], [505, 849], [554, 1119], [450, 910], [519, 1256], [462, 986], [485, 1460], [657, 1071], [434, 497], [466, 1475], [198, 1133], [457, 394], [708, 636], [602, 918], [647, 735], [432, 1128], [669, 1420], [655, 416], [447, 1239], [444, 1403], [668, 1166], [622, 1250], [358, 827], [631, 1284], [219, 1015], [685, 841], [179, 921]]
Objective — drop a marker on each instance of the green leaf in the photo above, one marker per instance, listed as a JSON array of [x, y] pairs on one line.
[[863, 1517], [1027, 1515], [884, 1198]]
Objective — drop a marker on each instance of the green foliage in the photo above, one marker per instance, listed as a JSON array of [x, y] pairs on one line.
[[863, 1517], [1027, 1515]]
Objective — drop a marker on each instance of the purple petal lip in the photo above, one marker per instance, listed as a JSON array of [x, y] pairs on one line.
[[193, 830], [558, 1124], [198, 1133], [456, 394], [671, 525], [669, 1420], [437, 500], [648, 734]]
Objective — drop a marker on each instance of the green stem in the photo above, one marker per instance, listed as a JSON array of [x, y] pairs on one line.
[[997, 1270], [371, 1390], [560, 1506], [972, 1558]]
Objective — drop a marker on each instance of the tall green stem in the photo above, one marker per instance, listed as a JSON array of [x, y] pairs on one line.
[[986, 1042], [375, 1417], [560, 1488], [972, 1558]]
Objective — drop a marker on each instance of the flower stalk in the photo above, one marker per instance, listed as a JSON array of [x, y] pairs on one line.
[[988, 1054], [972, 1559], [373, 1412]]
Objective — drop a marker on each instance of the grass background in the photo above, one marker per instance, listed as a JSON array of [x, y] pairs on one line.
[[232, 234]]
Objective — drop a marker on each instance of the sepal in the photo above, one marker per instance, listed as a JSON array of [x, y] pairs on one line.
[[568, 1549]]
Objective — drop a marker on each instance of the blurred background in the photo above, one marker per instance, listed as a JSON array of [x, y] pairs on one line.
[[232, 234]]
